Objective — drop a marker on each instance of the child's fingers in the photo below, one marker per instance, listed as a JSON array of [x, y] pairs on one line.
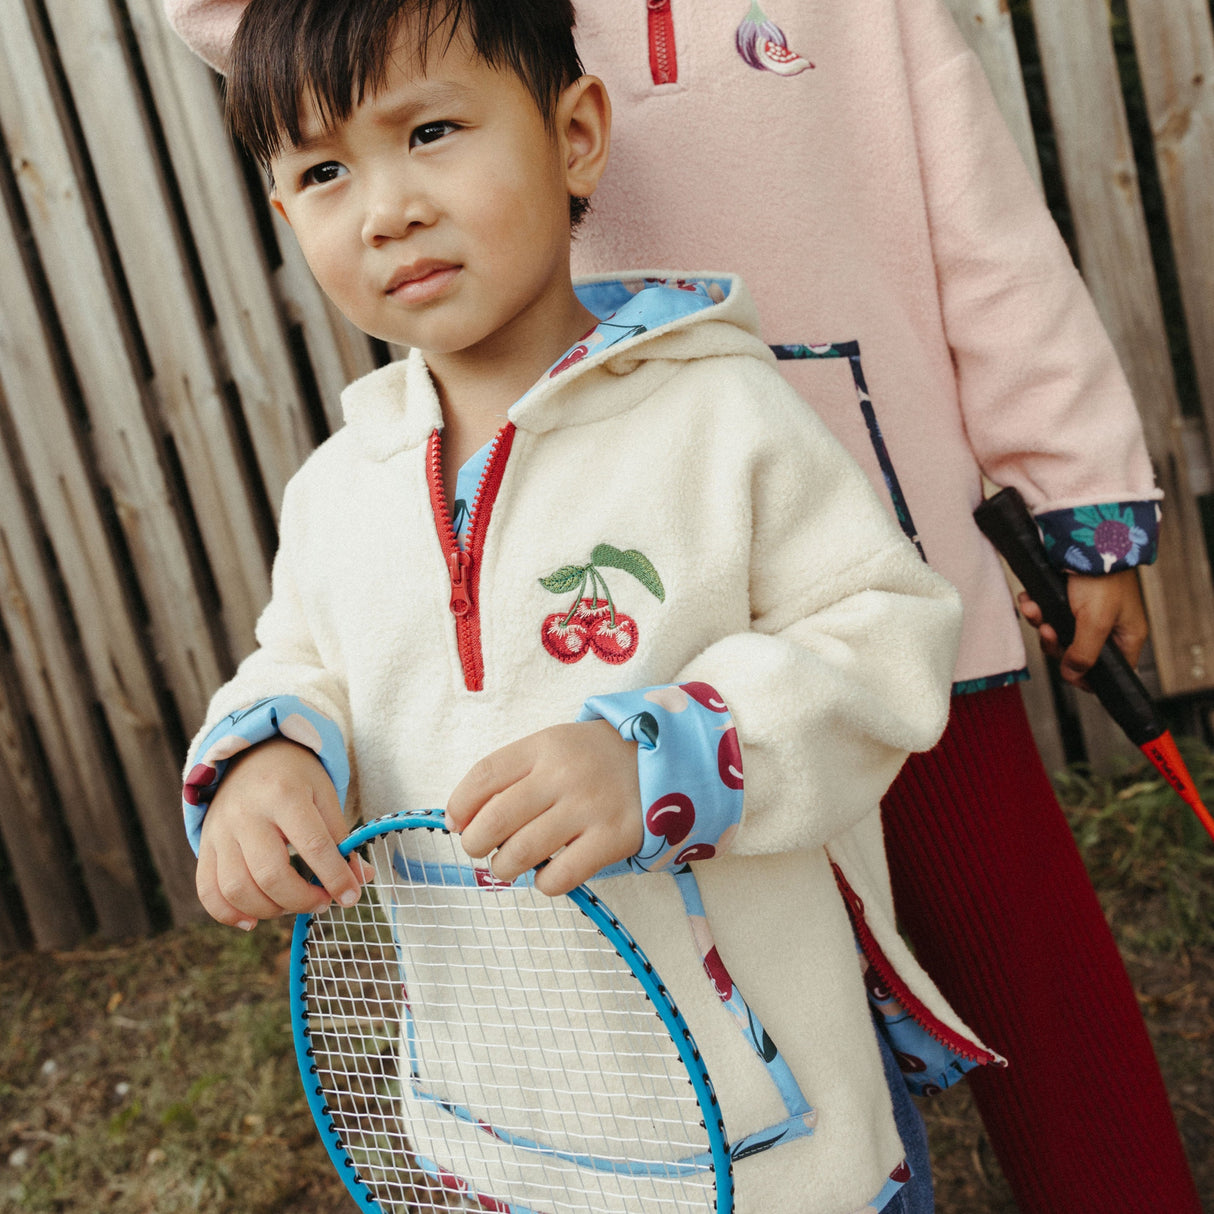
[[314, 831], [1029, 609], [569, 868], [504, 816], [529, 845], [1105, 608], [486, 779], [232, 885], [213, 902]]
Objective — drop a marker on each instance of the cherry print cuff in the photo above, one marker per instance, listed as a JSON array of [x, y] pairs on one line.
[[1101, 539], [278, 716], [690, 767]]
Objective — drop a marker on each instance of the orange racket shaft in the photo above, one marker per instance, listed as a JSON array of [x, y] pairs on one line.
[[1005, 520]]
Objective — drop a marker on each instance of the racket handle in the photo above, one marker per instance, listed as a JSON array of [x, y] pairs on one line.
[[1005, 520]]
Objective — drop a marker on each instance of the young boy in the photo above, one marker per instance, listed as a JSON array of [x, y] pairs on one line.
[[658, 525]]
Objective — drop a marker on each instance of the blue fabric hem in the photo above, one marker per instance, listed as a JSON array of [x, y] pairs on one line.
[[989, 682], [277, 716], [689, 764]]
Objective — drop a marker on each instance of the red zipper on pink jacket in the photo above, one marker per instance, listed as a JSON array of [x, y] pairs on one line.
[[663, 59], [463, 565]]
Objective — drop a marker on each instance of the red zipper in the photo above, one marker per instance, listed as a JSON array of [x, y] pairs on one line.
[[663, 59], [914, 1006], [463, 565]]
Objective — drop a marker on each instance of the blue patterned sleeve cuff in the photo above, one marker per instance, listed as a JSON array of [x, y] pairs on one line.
[[690, 768], [278, 716], [1101, 539]]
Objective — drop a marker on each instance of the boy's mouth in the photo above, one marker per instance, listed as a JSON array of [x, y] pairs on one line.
[[421, 281]]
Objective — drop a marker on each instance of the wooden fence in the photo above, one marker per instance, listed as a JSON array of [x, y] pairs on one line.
[[166, 363]]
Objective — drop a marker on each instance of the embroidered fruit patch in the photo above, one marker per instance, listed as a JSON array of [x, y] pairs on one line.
[[592, 622], [763, 46]]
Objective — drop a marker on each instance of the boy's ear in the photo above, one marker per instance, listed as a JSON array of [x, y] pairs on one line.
[[583, 118]]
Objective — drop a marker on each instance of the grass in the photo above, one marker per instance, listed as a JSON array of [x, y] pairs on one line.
[[159, 1078]]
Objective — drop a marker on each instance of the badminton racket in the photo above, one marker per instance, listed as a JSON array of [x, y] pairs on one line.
[[1005, 520], [471, 1045]]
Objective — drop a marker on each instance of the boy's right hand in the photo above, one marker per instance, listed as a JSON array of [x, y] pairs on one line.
[[275, 795]]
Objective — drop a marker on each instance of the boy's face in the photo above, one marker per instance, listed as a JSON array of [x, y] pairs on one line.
[[437, 216]]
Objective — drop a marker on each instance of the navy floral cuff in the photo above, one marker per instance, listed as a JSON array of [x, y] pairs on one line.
[[1101, 539], [690, 767], [276, 717]]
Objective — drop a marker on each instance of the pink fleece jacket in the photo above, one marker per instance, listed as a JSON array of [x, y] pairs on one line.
[[875, 198]]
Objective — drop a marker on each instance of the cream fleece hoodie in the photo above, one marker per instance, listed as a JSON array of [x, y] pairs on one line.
[[787, 587]]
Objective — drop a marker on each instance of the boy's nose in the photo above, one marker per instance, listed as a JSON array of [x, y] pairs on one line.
[[392, 212]]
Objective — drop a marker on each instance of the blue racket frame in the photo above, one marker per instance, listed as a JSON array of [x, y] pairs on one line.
[[612, 929]]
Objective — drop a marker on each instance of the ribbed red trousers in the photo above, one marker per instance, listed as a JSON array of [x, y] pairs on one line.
[[992, 892]]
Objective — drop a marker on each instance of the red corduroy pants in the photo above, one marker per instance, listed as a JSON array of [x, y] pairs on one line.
[[992, 892]]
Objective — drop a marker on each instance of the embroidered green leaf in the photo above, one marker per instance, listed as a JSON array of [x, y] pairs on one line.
[[631, 561], [568, 577]]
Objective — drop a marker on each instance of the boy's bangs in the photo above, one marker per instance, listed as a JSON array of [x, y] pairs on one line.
[[333, 56]]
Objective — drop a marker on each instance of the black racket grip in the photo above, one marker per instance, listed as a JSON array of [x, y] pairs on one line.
[[1005, 520]]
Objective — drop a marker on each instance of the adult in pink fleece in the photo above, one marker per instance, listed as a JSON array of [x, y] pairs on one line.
[[849, 160]]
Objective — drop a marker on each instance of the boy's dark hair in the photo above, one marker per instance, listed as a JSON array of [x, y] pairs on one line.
[[335, 53]]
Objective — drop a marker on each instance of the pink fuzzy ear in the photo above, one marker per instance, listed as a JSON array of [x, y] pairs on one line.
[[206, 26]]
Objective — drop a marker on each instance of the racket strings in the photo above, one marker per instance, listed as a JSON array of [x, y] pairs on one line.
[[488, 1049]]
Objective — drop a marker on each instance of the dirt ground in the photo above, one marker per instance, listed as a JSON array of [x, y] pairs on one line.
[[159, 1077]]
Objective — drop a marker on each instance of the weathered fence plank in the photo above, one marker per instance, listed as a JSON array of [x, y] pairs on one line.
[[59, 698], [233, 261], [987, 27], [1175, 51], [123, 436], [62, 475], [187, 401], [40, 862]]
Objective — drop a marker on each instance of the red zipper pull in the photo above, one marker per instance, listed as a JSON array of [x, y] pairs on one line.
[[663, 57], [458, 564]]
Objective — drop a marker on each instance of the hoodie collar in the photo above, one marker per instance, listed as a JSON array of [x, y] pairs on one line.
[[650, 322]]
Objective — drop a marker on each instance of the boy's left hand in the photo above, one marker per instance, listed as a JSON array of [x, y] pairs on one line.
[[572, 787]]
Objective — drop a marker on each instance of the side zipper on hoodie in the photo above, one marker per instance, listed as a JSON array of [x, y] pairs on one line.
[[463, 565], [961, 1046], [663, 56]]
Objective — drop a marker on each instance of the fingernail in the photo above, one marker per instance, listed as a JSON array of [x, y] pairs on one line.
[[247, 925], [349, 897]]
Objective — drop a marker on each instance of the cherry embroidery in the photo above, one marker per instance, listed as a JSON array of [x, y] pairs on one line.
[[592, 623], [566, 640]]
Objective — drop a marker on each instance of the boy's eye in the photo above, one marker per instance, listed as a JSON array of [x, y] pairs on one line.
[[431, 132], [321, 174]]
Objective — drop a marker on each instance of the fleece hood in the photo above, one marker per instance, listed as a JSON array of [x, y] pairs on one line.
[[396, 407]]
